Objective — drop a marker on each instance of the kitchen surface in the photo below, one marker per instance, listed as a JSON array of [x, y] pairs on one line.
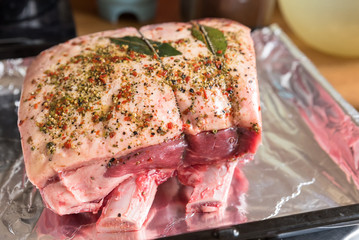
[[303, 179], [342, 73]]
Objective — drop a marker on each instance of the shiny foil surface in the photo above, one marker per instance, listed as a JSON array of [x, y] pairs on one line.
[[308, 159]]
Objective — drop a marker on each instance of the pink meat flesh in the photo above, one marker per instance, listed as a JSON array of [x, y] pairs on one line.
[[166, 155], [209, 147], [103, 178], [93, 182], [103, 123]]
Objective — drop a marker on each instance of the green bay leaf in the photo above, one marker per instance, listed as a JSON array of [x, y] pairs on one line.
[[137, 44], [211, 37], [198, 34], [165, 49]]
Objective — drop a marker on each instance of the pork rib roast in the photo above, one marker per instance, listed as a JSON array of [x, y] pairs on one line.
[[105, 118]]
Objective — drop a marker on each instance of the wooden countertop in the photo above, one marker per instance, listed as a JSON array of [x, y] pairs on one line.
[[342, 73]]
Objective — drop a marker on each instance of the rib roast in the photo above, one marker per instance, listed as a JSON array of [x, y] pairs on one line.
[[105, 118]]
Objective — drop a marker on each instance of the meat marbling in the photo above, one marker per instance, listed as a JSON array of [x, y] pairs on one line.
[[103, 122]]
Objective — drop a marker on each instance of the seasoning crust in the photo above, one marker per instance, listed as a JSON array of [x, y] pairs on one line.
[[95, 98]]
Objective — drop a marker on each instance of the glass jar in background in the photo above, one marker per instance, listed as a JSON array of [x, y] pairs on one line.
[[330, 26], [252, 13]]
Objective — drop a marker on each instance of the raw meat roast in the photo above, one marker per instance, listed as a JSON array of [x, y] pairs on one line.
[[105, 118]]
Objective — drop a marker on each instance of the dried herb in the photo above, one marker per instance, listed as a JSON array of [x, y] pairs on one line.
[[134, 43], [137, 44], [51, 147], [213, 38], [111, 162], [165, 49]]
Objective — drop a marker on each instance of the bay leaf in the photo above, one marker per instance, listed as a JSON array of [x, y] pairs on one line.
[[137, 44], [164, 49], [211, 37]]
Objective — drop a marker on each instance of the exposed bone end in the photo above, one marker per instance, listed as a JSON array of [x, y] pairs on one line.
[[210, 190], [128, 205]]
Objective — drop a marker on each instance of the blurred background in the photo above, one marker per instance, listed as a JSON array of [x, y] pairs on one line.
[[327, 31]]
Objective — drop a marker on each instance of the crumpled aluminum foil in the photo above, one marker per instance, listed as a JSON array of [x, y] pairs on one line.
[[308, 160]]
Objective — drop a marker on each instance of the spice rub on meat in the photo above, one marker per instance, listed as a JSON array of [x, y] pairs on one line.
[[128, 108]]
